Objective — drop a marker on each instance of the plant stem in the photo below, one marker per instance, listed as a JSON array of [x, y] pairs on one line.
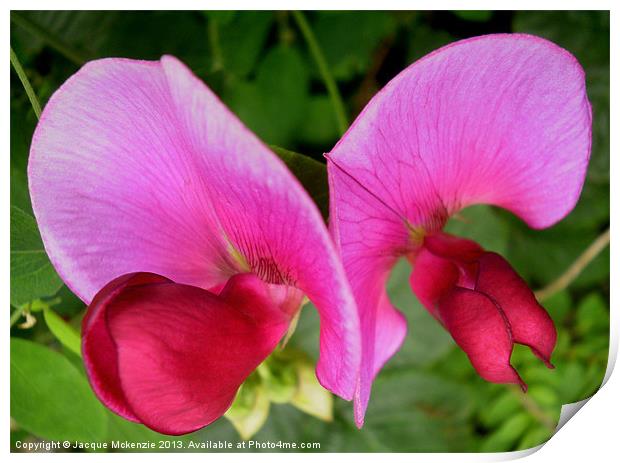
[[572, 272], [66, 50], [34, 101], [326, 75], [213, 31]]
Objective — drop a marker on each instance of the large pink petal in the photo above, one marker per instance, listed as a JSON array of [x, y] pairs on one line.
[[181, 352], [531, 325], [137, 166], [368, 252], [499, 119]]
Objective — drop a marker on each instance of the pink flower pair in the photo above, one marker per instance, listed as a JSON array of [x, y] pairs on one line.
[[194, 245]]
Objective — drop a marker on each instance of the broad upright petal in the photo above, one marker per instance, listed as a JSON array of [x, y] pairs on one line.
[[500, 119], [137, 166], [177, 353], [370, 244]]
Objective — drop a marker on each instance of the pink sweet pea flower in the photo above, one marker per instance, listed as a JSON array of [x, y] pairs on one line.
[[144, 184], [500, 119]]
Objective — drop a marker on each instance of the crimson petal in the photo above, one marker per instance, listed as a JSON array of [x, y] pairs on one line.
[[479, 328], [175, 354], [531, 325]]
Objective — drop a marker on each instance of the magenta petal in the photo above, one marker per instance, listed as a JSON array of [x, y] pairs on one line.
[[182, 352], [531, 325], [136, 166], [500, 119], [369, 246], [480, 329]]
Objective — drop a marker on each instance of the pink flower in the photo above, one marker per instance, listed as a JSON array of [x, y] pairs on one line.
[[500, 119], [144, 184]]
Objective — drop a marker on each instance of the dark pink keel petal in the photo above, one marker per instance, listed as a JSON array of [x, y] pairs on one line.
[[531, 325], [98, 348], [136, 166], [180, 352], [481, 330], [432, 277]]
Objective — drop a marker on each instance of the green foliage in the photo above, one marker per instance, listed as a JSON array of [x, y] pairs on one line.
[[474, 15], [273, 105], [310, 173], [348, 39], [32, 275], [65, 333], [50, 397], [428, 398]]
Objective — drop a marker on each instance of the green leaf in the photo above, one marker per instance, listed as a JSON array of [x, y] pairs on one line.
[[274, 105], [592, 316], [242, 38], [310, 173], [414, 411], [559, 306], [500, 409], [320, 127], [65, 333], [310, 397], [474, 15], [50, 397], [32, 274], [250, 408], [220, 16], [534, 437], [278, 377], [506, 436], [349, 38]]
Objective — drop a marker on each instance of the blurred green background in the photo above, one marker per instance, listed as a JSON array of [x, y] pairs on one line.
[[428, 398]]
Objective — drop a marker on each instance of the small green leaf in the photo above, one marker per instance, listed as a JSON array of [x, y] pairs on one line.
[[51, 398], [311, 174], [65, 333], [250, 408], [310, 397], [32, 274]]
